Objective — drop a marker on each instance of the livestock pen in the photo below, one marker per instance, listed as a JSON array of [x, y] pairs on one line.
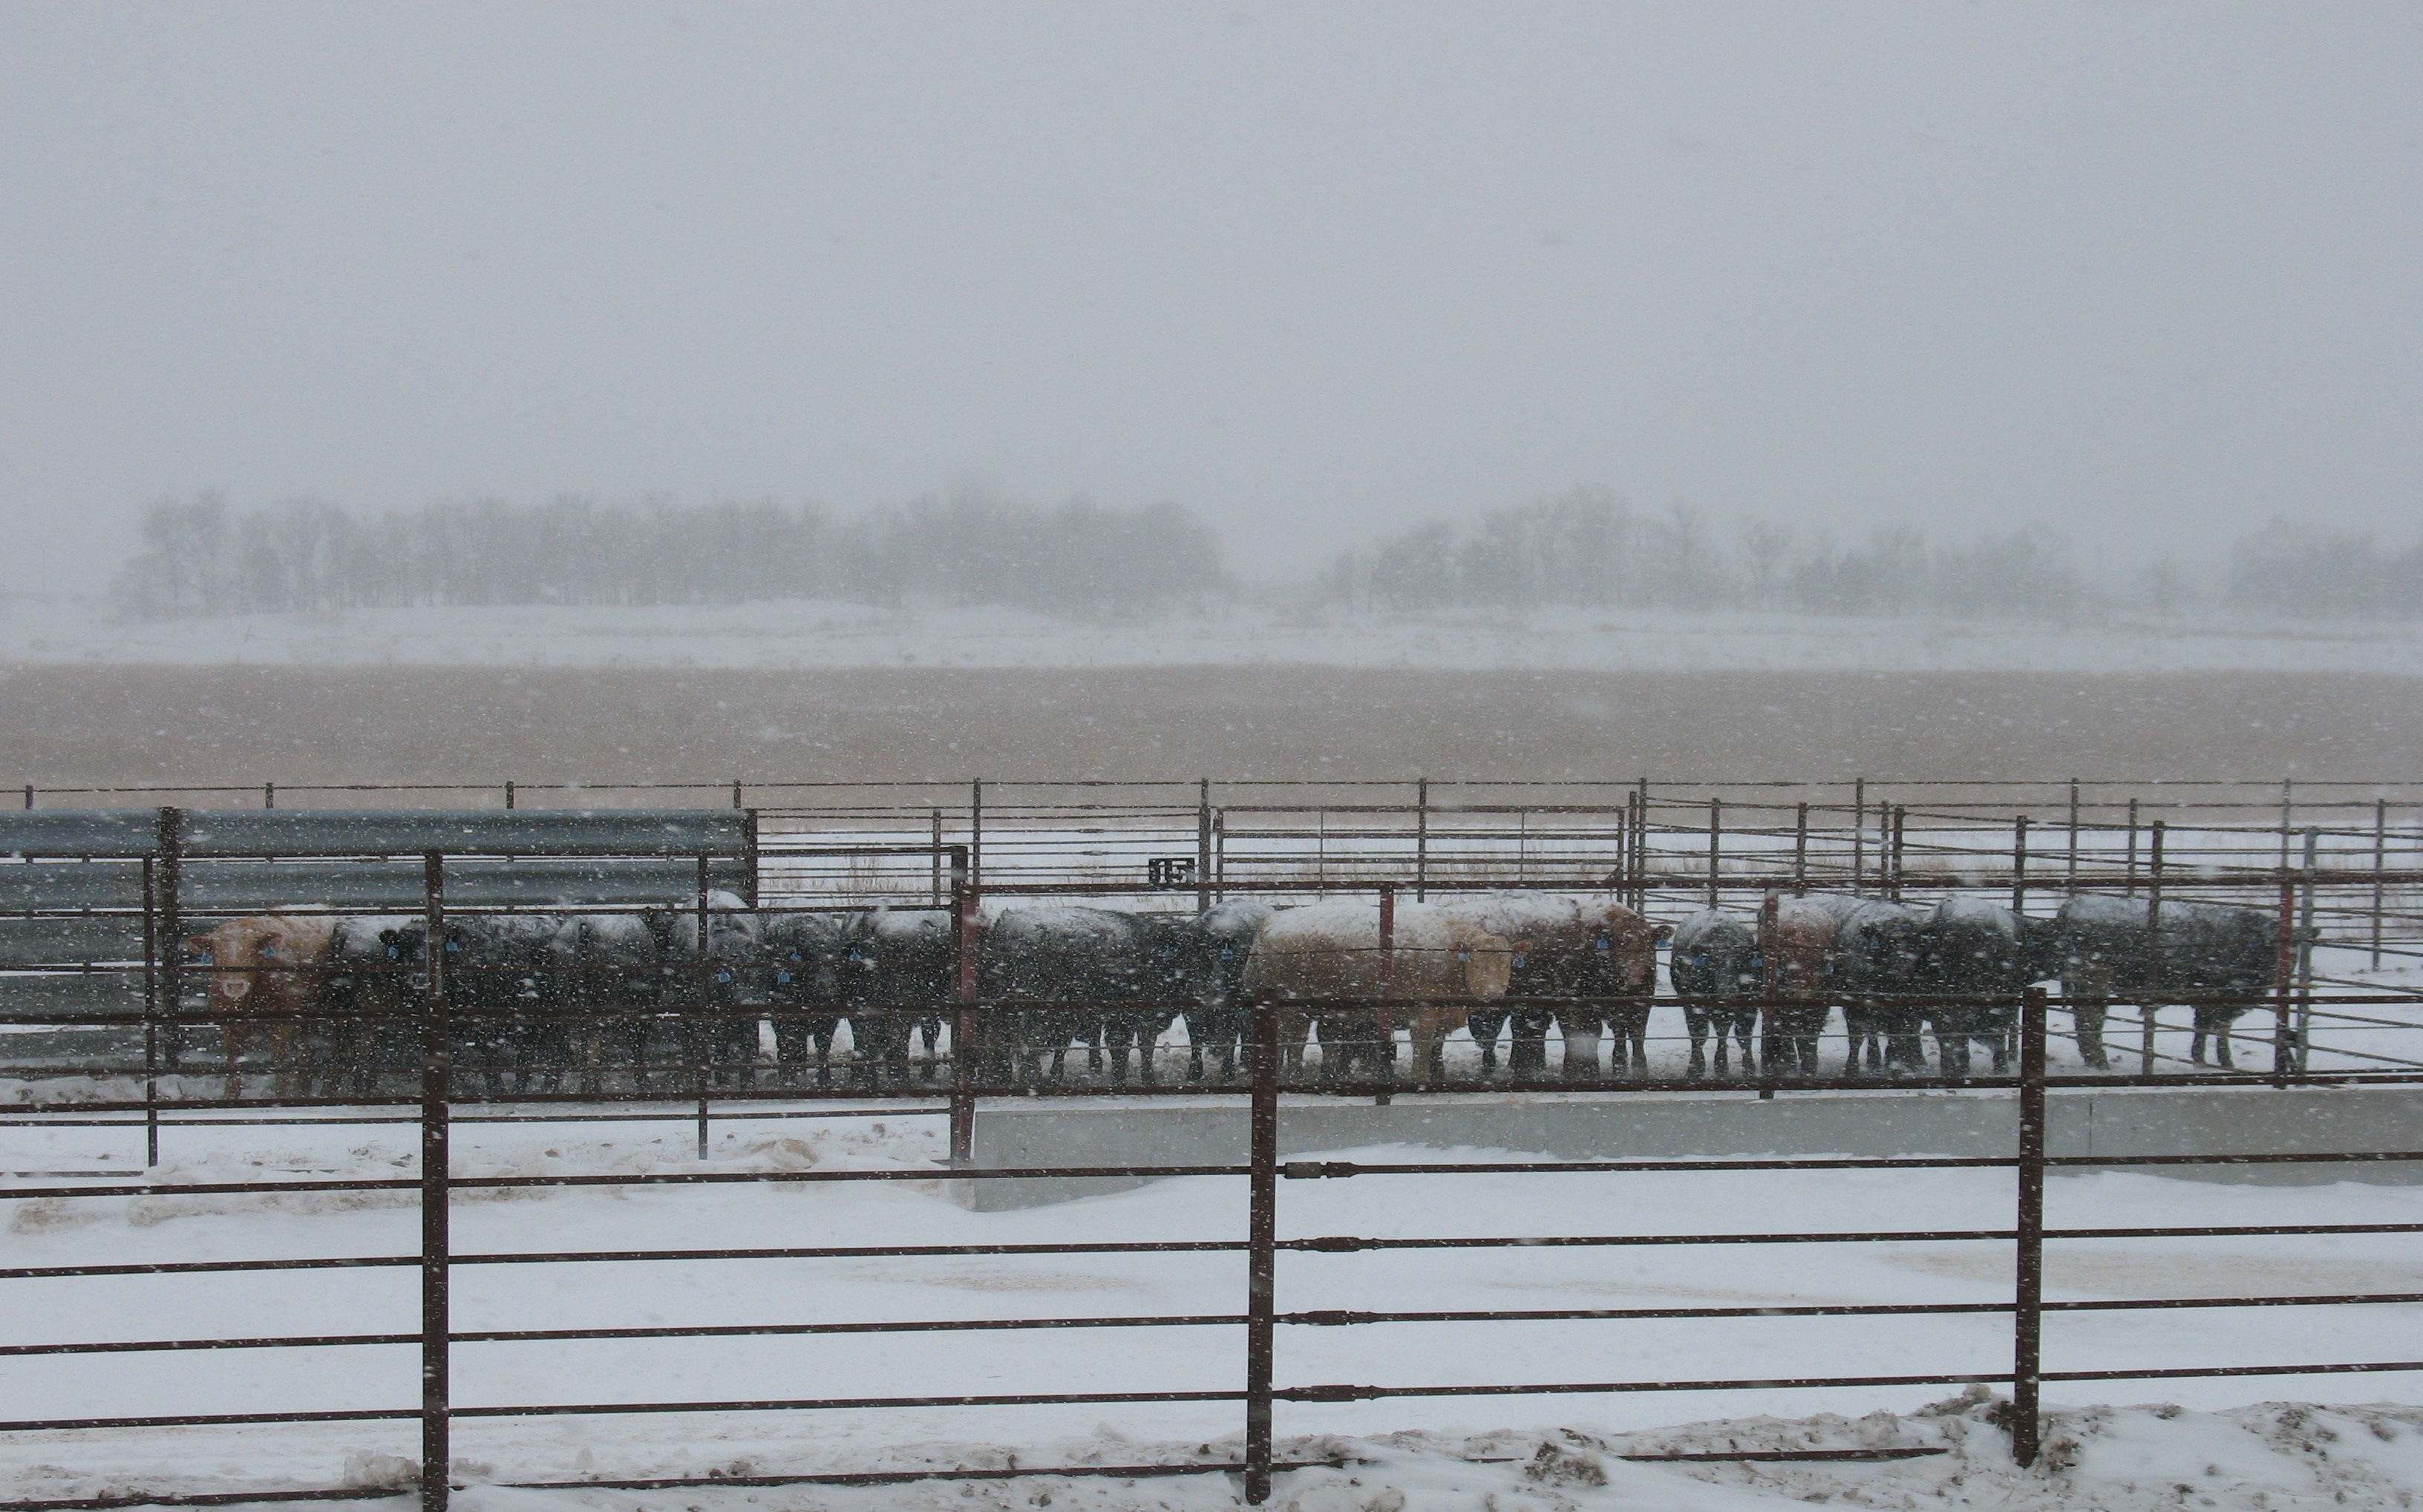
[[114, 1020]]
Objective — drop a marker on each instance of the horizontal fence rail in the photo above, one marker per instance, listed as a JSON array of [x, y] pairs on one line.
[[102, 903]]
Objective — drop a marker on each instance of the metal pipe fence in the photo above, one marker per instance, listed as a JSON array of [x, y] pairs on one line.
[[1637, 858]]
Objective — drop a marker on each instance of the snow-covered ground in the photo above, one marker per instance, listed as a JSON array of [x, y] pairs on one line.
[[1405, 1451], [819, 633]]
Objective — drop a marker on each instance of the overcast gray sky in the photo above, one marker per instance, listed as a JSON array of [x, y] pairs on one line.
[[2143, 271]]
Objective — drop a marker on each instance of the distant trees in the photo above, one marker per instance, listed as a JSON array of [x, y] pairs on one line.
[[201, 558], [1589, 548], [1583, 548], [2290, 570]]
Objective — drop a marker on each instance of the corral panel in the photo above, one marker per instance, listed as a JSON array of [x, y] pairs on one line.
[[488, 832], [26, 942]]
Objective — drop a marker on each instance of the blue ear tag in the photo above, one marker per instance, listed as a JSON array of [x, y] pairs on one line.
[[781, 976]]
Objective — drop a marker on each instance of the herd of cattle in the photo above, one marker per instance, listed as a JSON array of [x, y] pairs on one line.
[[555, 1003]]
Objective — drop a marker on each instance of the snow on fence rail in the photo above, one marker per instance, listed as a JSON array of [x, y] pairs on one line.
[[1639, 865]]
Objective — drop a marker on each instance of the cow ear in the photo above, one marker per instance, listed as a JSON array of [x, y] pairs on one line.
[[1660, 934]]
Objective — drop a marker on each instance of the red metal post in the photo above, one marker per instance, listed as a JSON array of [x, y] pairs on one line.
[[2284, 1035], [1388, 1013], [965, 926], [2027, 1353], [437, 1453], [1261, 1249]]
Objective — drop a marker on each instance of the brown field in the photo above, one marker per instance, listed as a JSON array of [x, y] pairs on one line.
[[106, 726]]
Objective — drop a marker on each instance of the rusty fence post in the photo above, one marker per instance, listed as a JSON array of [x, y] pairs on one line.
[[151, 1015], [2307, 934], [1262, 1249], [1387, 1014], [2069, 875], [2130, 889], [1900, 833], [2149, 1012], [935, 859], [964, 940], [1202, 844], [702, 1000], [437, 1453], [1859, 831], [171, 898], [2019, 863], [2283, 1032], [1800, 854], [975, 833], [2027, 1342], [1715, 844], [2380, 865]]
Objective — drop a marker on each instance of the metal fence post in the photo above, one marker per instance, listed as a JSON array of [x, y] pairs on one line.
[[936, 858], [2027, 1342], [269, 795], [2130, 889], [437, 1453], [1715, 844], [1261, 1249], [1800, 854], [1421, 837], [2148, 1010], [2019, 863], [975, 833], [1900, 830], [2284, 1033], [171, 883], [702, 1014], [1859, 830], [1202, 844], [150, 1016], [509, 795], [964, 937], [2069, 876], [1640, 850], [2380, 865], [2305, 955], [1385, 1014]]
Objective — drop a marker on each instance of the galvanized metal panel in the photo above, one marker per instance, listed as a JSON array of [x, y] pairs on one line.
[[228, 887], [100, 994], [484, 832], [78, 831], [69, 941], [70, 885]]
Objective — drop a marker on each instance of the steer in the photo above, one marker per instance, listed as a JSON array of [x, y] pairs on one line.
[[898, 969], [721, 990], [610, 970], [371, 1002], [1878, 976], [1566, 948], [804, 952], [1976, 949], [1719, 974], [1798, 958], [1081, 975], [2106, 947], [1211, 975], [265, 977], [1314, 955]]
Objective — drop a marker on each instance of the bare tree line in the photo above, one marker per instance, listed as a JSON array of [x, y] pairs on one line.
[[1584, 548], [1589, 548], [200, 557]]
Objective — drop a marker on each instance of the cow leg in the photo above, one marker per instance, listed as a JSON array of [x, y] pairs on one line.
[[1528, 1047], [2221, 1021], [1484, 1025], [1695, 1020], [2086, 1013]]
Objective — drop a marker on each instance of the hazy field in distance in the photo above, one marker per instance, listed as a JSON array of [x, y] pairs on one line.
[[70, 726]]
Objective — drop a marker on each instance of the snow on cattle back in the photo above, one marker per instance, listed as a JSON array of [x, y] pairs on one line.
[[1062, 921], [1347, 925], [1975, 913], [1516, 915]]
